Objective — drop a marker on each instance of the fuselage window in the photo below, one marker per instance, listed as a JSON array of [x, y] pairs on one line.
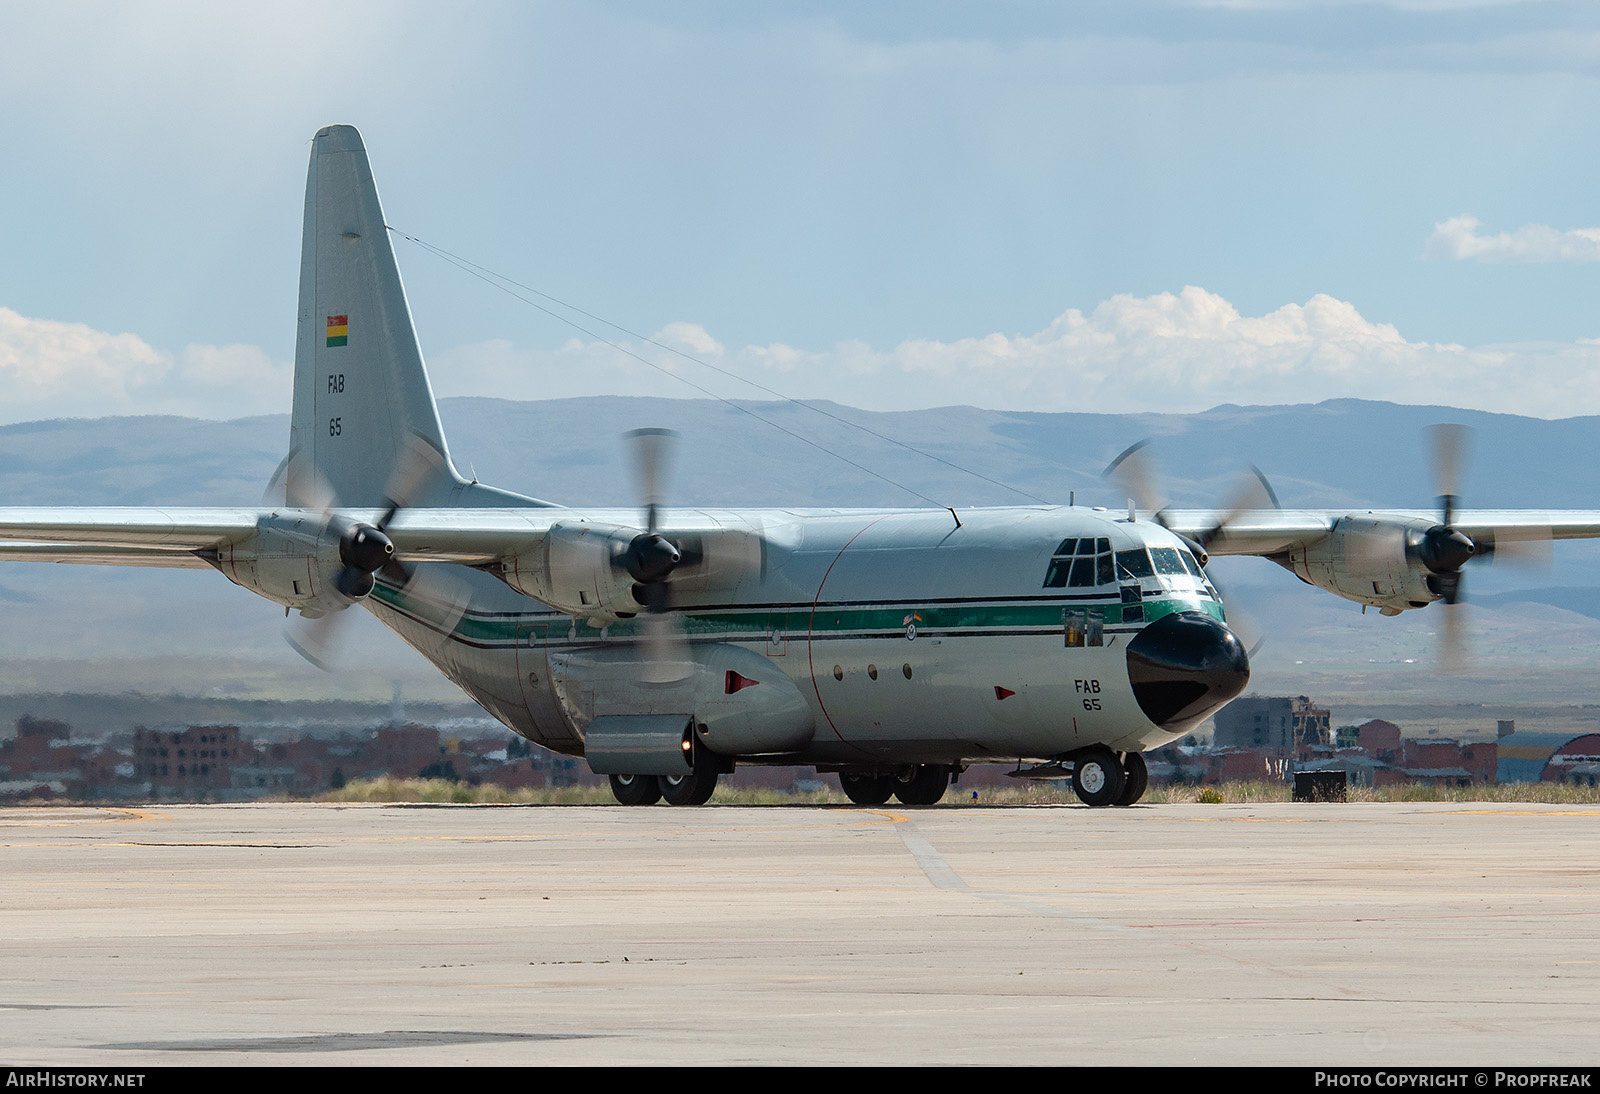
[[1084, 627], [1132, 604]]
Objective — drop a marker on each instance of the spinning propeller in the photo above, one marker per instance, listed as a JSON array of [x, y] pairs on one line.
[[365, 551], [650, 559], [1443, 549], [1134, 471]]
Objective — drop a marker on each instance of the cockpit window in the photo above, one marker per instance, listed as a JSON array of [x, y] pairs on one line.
[[1167, 560], [1191, 565], [1134, 564], [1080, 564]]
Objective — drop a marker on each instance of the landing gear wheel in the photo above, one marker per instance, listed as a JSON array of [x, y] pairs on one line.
[[695, 788], [866, 789], [635, 789], [1135, 777], [1097, 776], [923, 784]]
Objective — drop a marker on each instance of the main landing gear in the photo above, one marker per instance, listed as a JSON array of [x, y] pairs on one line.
[[918, 784], [694, 788], [635, 789], [1103, 777]]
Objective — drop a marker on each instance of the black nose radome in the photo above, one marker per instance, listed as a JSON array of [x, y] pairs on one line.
[[1185, 666]]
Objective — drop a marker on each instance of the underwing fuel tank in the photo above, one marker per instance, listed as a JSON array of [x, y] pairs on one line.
[[1185, 666]]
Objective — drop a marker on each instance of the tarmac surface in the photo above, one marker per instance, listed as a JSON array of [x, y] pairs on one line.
[[1364, 934]]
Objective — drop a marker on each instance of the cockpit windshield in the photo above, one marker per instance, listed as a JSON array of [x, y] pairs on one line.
[[1167, 560], [1081, 563], [1145, 562], [1135, 564]]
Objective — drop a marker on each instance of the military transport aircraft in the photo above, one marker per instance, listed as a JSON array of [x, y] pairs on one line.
[[894, 647]]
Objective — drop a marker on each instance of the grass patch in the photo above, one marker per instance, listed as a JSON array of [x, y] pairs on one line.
[[1042, 792], [445, 792]]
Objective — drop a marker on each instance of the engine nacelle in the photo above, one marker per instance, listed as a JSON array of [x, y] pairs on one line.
[[292, 559], [1370, 560], [579, 569]]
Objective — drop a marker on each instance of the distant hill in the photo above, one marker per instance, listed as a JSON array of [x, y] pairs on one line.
[[1342, 452]]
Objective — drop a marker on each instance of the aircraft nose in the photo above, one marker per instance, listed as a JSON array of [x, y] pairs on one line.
[[1183, 667]]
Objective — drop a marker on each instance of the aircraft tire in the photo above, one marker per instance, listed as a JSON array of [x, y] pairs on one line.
[[1097, 776], [635, 789], [866, 789], [925, 784], [1135, 777], [694, 788]]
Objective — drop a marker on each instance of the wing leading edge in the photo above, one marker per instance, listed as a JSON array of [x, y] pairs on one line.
[[1272, 532]]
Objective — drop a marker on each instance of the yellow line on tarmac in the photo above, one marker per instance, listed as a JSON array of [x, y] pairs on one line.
[[1517, 812], [33, 817]]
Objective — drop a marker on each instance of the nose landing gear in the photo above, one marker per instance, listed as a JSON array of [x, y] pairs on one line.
[[1103, 777]]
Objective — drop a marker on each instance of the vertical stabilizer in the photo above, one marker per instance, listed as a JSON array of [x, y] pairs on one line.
[[363, 408]]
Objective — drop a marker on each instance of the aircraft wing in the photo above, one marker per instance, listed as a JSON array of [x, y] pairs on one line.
[[1275, 531], [85, 554], [120, 536], [171, 529], [186, 537]]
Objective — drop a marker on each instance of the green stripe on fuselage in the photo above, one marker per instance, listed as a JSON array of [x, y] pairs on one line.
[[827, 621]]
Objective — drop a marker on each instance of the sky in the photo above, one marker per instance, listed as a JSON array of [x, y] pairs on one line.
[[1140, 205]]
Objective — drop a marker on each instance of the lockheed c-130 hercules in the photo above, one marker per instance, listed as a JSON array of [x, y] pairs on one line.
[[894, 647]]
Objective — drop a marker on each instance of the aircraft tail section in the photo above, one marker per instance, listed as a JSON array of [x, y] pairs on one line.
[[364, 413]]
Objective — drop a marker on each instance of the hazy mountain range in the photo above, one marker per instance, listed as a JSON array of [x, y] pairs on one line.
[[101, 629], [1343, 452]]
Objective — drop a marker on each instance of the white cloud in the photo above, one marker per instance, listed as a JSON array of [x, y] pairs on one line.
[[231, 381], [689, 337], [1174, 352], [50, 364], [1171, 352], [1458, 238], [54, 369]]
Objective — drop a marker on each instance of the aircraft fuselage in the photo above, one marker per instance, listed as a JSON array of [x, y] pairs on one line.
[[904, 637]]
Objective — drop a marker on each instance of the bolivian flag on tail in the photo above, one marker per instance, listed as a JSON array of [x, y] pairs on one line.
[[338, 330]]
